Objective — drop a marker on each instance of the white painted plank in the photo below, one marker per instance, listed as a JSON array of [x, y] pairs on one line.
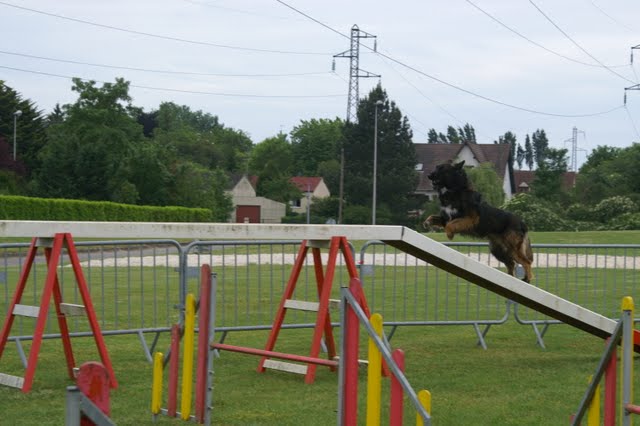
[[197, 231], [301, 305], [13, 381], [26, 310], [72, 310], [498, 282], [285, 366]]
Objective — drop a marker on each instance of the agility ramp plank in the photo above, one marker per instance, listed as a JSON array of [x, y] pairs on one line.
[[197, 231], [503, 284]]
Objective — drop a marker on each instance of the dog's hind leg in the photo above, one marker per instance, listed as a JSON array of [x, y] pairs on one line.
[[502, 253], [461, 225], [524, 256]]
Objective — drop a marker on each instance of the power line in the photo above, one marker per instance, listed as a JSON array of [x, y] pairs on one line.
[[167, 89], [633, 124], [611, 17], [230, 9], [495, 101], [424, 96], [453, 86], [206, 74], [576, 44], [536, 43], [159, 36], [313, 19]]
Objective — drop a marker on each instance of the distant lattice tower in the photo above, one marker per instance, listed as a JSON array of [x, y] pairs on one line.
[[355, 72]]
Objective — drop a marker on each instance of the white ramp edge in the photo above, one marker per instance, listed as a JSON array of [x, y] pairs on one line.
[[503, 284], [400, 237], [196, 231]]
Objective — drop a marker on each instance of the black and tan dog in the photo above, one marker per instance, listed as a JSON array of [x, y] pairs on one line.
[[462, 211]]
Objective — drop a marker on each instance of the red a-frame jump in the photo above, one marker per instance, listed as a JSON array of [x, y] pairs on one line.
[[324, 281], [53, 250]]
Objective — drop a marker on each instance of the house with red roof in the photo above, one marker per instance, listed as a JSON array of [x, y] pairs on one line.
[[311, 187], [524, 178], [249, 208], [430, 155]]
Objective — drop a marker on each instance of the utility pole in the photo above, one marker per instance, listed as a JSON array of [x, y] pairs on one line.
[[635, 86], [574, 149], [353, 53]]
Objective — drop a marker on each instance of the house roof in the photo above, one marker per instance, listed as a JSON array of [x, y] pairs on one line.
[[306, 183], [430, 155], [234, 178], [528, 176]]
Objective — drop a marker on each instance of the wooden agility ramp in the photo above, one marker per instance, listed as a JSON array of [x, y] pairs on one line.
[[399, 237]]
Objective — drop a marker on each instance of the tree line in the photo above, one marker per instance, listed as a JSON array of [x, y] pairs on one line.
[[104, 148]]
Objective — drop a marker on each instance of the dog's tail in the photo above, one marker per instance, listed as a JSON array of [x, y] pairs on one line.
[[525, 247]]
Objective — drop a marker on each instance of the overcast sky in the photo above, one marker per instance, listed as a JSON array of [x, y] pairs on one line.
[[262, 67]]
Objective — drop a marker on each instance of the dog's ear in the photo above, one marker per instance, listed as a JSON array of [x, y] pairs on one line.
[[459, 165]]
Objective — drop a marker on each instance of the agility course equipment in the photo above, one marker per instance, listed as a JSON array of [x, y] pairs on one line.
[[88, 402], [53, 248], [204, 369], [323, 327], [400, 237], [352, 317], [590, 403]]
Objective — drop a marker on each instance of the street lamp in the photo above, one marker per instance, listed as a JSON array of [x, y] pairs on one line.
[[375, 161], [16, 114]]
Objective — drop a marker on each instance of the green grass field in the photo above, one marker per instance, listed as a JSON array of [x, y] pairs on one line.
[[513, 382]]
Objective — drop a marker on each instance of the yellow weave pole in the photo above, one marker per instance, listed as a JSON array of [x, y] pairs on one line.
[[187, 362], [374, 375], [593, 411], [156, 386], [626, 366], [424, 396]]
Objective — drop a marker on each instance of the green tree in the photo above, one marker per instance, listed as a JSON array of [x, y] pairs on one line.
[[396, 178], [520, 155], [197, 186], [453, 136], [30, 130], [609, 172], [540, 145], [435, 137], [89, 154], [486, 181], [190, 133], [509, 138], [330, 172], [547, 184], [234, 146], [528, 152], [315, 142], [272, 161], [467, 133]]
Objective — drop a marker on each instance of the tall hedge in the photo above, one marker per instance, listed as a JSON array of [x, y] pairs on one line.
[[28, 208]]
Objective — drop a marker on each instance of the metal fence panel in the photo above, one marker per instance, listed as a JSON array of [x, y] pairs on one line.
[[134, 285], [252, 277], [596, 277], [407, 290]]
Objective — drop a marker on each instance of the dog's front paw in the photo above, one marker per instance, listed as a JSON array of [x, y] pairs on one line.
[[449, 232]]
